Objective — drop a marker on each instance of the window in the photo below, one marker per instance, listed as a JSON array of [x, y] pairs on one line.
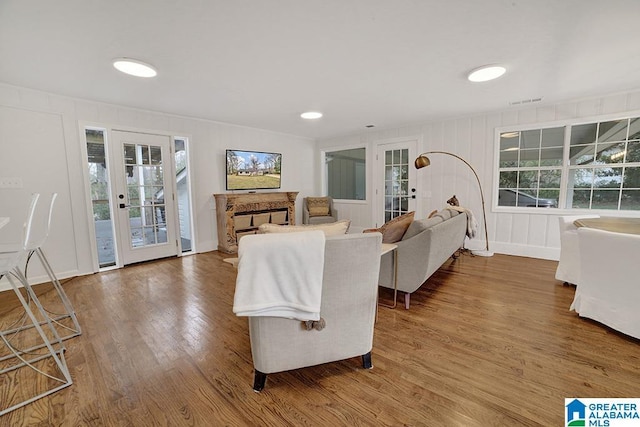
[[182, 185], [100, 199], [346, 174], [599, 162]]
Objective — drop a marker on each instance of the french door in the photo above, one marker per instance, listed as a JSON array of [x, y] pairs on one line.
[[396, 186], [144, 196]]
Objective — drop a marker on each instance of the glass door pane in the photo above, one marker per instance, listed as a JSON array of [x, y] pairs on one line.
[[184, 203], [396, 183], [144, 175]]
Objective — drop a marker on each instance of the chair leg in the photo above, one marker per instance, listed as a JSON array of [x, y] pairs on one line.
[[259, 380], [407, 300], [366, 361]]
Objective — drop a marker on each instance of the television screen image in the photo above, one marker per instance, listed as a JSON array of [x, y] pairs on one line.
[[253, 170]]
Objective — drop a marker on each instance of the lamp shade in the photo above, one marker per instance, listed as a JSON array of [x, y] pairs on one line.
[[422, 161]]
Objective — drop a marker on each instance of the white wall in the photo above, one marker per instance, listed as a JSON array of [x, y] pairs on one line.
[[40, 142], [534, 235]]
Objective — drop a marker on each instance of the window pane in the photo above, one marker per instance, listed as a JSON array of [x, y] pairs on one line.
[[529, 158], [509, 140], [528, 179], [634, 128], [553, 137], [581, 178], [630, 200], [582, 154], [633, 152], [615, 130], [346, 173], [100, 197], [548, 198], [404, 204], [605, 199], [551, 156], [530, 139], [550, 178], [610, 152], [182, 196], [130, 154], [136, 237], [144, 155], [404, 159], [583, 134], [581, 199], [156, 155], [509, 158], [509, 179], [631, 177], [607, 178]]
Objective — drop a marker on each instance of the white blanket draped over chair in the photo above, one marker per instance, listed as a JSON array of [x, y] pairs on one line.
[[280, 275]]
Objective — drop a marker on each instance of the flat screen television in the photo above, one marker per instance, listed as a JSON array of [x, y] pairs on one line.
[[253, 170]]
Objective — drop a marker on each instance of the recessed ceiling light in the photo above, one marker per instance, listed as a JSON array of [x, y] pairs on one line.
[[486, 73], [134, 67], [310, 115]]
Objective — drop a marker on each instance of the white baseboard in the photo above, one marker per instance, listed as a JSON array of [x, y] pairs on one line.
[[540, 252]]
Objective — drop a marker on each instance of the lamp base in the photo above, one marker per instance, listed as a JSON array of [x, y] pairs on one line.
[[482, 253]]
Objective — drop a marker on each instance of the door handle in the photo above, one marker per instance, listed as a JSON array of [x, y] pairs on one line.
[[122, 206]]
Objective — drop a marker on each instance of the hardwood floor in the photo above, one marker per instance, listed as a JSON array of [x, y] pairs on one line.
[[487, 341]]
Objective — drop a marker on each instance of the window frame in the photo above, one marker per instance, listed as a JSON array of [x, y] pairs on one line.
[[565, 168]]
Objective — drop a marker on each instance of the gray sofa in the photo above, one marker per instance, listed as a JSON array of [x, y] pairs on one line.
[[425, 246]]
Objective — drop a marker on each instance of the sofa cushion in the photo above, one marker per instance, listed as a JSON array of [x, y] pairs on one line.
[[418, 226], [392, 231], [333, 229], [318, 206]]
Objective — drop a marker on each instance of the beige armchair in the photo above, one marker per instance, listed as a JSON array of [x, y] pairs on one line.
[[348, 306], [314, 210]]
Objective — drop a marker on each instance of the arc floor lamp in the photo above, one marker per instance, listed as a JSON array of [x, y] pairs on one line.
[[423, 161]]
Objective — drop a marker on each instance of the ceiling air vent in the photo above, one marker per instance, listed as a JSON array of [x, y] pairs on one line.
[[525, 101]]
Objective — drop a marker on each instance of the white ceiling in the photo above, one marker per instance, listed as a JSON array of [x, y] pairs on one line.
[[261, 63]]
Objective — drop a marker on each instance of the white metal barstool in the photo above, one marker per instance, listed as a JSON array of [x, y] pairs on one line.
[[44, 346], [32, 244]]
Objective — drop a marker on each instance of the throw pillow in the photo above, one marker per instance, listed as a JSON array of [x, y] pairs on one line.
[[392, 231], [332, 229], [318, 206]]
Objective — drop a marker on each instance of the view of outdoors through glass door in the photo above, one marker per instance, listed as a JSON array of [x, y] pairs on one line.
[[396, 183], [184, 205], [99, 185], [144, 171]]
